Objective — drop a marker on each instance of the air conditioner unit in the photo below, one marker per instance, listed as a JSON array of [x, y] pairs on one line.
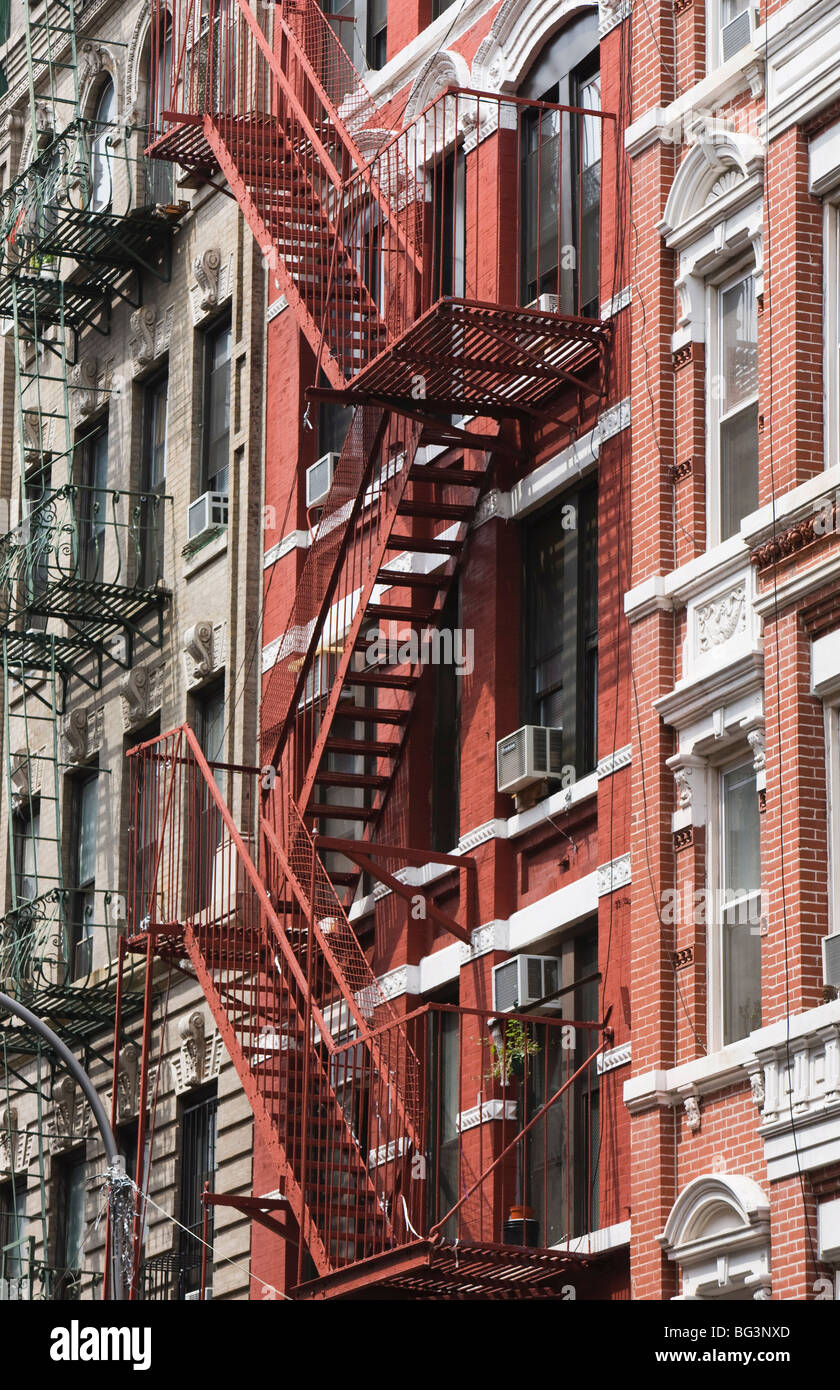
[[545, 303], [831, 960], [319, 479], [207, 512], [194, 1296], [524, 980], [530, 755], [736, 34]]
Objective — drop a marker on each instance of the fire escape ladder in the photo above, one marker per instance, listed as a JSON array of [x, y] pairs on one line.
[[284, 975]]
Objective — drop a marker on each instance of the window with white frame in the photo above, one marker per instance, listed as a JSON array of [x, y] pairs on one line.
[[831, 332], [735, 905], [732, 396], [730, 25]]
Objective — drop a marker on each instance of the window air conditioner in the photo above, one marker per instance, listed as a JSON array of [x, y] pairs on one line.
[[319, 479], [530, 755], [736, 34], [524, 980], [831, 960], [206, 513], [545, 303], [194, 1296]]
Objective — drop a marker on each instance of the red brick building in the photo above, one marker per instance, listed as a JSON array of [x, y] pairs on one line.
[[536, 994]]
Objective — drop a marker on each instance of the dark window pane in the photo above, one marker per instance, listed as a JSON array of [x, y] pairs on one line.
[[738, 468], [217, 411]]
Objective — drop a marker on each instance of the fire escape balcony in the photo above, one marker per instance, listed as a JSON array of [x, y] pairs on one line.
[[76, 203], [90, 557], [451, 266]]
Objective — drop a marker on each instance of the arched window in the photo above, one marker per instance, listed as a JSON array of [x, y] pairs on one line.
[[718, 1234], [101, 176], [561, 174]]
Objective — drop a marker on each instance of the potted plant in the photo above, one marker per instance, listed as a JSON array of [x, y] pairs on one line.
[[509, 1048]]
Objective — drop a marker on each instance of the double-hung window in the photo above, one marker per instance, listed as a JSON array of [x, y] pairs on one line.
[[735, 907], [85, 797], [153, 480], [560, 667], [733, 405], [94, 506], [217, 409]]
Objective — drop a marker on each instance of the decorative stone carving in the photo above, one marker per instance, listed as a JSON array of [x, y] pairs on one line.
[[91, 62], [68, 1119], [755, 738], [83, 380], [785, 544], [82, 734], [128, 1082], [141, 694], [206, 270], [757, 1088], [721, 618], [490, 936], [191, 1030], [204, 650], [9, 1133], [692, 1113], [444, 69], [150, 335], [199, 1057], [682, 778], [611, 13], [142, 344], [27, 774], [614, 875]]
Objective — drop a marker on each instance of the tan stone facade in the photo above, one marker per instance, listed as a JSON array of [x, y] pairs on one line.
[[161, 325]]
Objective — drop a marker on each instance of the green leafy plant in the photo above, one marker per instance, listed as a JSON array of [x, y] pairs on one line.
[[518, 1045]]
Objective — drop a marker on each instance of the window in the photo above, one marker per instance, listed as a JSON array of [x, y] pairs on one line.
[[439, 6], [27, 834], [143, 815], [209, 717], [160, 172], [101, 178], [85, 797], [560, 226], [733, 31], [566, 1203], [153, 481], [198, 1164], [14, 1255], [733, 406], [217, 410], [377, 33], [93, 506], [446, 765], [70, 1225], [588, 195], [560, 666], [333, 423], [448, 235], [36, 493], [735, 954]]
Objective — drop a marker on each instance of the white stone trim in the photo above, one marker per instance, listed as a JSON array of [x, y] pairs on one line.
[[802, 43], [614, 875], [611, 15], [617, 303], [598, 1242], [276, 308], [295, 540], [483, 1114], [405, 979], [615, 1057], [734, 1258], [614, 762]]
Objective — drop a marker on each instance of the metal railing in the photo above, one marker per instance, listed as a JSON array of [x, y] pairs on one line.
[[77, 543], [43, 944]]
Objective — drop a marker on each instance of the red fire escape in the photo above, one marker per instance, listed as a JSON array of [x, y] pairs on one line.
[[399, 1141]]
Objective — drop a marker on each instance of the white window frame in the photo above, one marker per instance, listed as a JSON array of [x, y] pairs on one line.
[[714, 25], [715, 1006], [716, 286], [831, 329], [832, 784]]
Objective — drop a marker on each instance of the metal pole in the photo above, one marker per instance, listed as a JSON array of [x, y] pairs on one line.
[[78, 1072]]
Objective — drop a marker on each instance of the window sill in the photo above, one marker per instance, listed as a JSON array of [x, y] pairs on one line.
[[203, 552]]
